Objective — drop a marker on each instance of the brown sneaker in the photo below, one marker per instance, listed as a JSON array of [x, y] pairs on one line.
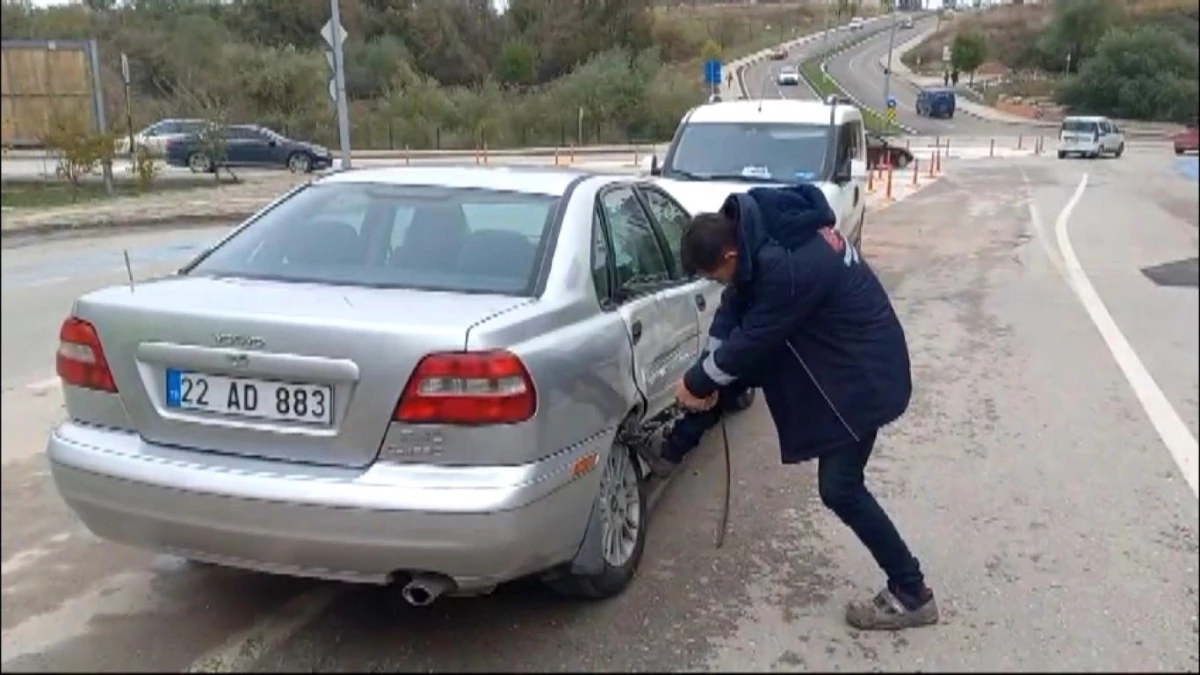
[[886, 612]]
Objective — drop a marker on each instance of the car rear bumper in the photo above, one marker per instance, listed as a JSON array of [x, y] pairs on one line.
[[1081, 147], [479, 525]]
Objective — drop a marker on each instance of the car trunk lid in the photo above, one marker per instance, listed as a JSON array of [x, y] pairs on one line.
[[339, 355]]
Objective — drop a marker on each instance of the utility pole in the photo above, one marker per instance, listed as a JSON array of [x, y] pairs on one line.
[[336, 36], [887, 73]]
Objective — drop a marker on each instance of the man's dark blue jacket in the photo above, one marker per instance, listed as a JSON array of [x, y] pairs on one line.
[[808, 321]]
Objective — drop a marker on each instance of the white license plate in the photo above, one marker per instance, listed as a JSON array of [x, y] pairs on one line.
[[249, 397]]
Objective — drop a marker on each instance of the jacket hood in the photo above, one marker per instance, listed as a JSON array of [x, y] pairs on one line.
[[788, 216]]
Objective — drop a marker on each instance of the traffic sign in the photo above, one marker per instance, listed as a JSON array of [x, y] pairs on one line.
[[891, 115], [891, 102], [327, 33], [946, 53], [712, 71]]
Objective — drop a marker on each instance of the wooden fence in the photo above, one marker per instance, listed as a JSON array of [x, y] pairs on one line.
[[40, 79]]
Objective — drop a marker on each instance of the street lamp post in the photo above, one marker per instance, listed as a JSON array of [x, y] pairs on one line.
[[887, 73]]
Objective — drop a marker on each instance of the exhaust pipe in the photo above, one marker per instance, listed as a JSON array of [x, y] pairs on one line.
[[425, 588]]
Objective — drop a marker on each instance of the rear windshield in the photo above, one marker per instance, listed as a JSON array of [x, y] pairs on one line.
[[1079, 126], [363, 234]]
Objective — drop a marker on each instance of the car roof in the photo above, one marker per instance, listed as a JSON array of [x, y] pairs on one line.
[[937, 90], [549, 181], [1084, 118], [771, 111]]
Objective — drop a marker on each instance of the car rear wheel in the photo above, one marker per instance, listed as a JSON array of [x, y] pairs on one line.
[[621, 510], [198, 162], [1062, 155], [1179, 151], [298, 162], [1120, 150]]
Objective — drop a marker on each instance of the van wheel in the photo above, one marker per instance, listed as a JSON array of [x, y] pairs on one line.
[[621, 510], [1120, 150], [1062, 155]]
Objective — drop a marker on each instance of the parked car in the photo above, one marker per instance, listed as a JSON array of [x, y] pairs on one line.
[[906, 23], [936, 102], [154, 138], [1187, 140], [249, 145], [432, 376], [788, 76], [1090, 137], [880, 152], [856, 23], [730, 147], [778, 54]]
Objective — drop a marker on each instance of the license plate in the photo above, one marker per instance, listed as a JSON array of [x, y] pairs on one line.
[[250, 397]]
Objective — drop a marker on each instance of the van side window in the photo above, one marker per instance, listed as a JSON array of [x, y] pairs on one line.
[[850, 144]]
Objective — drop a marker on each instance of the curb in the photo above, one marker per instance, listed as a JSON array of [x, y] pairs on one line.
[[108, 223]]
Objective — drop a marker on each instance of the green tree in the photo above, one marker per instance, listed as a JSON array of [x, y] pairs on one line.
[[1076, 29], [968, 52], [517, 63], [1147, 73]]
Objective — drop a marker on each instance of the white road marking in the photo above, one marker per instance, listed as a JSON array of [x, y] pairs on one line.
[[45, 385], [1170, 427], [1039, 228], [244, 648]]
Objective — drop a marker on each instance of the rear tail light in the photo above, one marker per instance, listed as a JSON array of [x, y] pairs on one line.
[[472, 388], [80, 361]]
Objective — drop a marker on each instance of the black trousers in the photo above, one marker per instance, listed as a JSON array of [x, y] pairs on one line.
[[843, 489]]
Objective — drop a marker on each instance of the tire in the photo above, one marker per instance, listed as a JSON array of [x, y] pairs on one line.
[[1120, 151], [1178, 151], [199, 162], [744, 401], [1062, 155], [299, 162], [619, 570]]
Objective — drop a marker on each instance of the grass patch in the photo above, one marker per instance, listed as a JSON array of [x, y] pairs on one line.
[[49, 194], [826, 85]]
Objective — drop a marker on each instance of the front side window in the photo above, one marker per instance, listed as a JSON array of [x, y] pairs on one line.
[[394, 236], [636, 251], [671, 219], [755, 151]]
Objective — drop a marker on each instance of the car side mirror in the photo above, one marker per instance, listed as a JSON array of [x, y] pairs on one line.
[[655, 169], [272, 143]]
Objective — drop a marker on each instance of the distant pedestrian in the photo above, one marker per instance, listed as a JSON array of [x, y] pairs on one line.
[[945, 78], [954, 78]]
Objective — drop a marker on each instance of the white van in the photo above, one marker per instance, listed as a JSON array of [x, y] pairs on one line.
[[723, 148], [1090, 137]]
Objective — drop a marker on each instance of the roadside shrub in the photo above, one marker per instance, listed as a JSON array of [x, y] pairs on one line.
[[145, 168], [81, 149]]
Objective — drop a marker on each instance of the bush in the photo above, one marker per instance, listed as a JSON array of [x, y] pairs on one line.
[[81, 149], [1147, 73]]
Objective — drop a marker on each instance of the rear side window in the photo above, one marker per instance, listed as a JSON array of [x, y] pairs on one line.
[[362, 234]]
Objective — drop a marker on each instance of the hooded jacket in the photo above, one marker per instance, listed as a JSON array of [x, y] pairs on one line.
[[806, 320]]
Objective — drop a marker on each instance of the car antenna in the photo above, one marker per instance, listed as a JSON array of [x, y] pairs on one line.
[[128, 270]]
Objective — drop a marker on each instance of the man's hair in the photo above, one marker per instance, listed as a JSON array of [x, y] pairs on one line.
[[705, 239]]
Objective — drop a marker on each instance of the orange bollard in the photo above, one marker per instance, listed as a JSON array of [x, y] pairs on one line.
[[992, 148], [947, 153], [932, 161], [406, 162], [1020, 141], [556, 155], [908, 144], [485, 153], [871, 181], [571, 157], [888, 195], [916, 171]]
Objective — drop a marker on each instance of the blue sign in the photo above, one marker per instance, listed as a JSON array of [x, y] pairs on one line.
[[712, 71], [891, 102]]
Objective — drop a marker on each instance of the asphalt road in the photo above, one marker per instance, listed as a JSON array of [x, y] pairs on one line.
[[762, 78], [859, 73], [1053, 521]]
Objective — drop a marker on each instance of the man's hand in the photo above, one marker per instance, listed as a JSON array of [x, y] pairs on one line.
[[690, 401]]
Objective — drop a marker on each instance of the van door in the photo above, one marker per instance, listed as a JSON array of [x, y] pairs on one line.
[[640, 272]]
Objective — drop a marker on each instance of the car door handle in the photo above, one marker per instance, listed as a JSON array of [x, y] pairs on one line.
[[701, 303], [635, 330]]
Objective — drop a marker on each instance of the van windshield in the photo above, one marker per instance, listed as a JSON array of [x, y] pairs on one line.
[[756, 151]]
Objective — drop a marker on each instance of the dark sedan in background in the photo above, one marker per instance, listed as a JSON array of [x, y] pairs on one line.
[[249, 145]]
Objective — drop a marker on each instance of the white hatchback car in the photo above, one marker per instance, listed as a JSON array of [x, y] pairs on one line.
[[788, 76], [1090, 137]]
